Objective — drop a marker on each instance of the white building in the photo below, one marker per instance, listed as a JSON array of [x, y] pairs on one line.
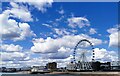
[[71, 66], [115, 65], [84, 66], [38, 68], [80, 66]]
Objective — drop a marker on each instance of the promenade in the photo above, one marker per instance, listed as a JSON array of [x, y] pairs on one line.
[[89, 73]]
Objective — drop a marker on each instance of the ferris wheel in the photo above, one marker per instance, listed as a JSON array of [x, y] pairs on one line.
[[83, 64], [83, 57]]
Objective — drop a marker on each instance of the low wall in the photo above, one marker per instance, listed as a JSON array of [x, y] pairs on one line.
[[96, 73]]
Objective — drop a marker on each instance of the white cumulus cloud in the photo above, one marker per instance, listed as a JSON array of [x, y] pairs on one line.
[[23, 13], [51, 45], [61, 32], [11, 29], [103, 55], [114, 40], [112, 30], [113, 37], [41, 5], [92, 31], [12, 56], [78, 22], [62, 53], [11, 47], [61, 11]]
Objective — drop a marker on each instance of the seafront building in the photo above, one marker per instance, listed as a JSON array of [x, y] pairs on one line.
[[94, 66], [80, 66], [115, 65], [71, 66], [51, 66]]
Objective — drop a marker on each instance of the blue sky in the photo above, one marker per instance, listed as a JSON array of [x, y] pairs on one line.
[[45, 26]]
